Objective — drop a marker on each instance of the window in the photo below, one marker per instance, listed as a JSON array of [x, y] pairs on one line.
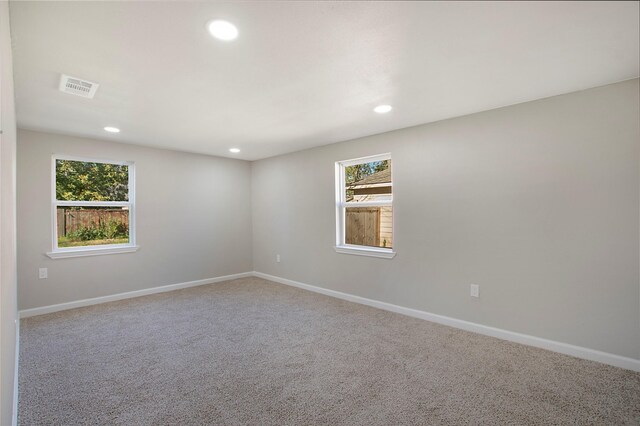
[[93, 209], [364, 206]]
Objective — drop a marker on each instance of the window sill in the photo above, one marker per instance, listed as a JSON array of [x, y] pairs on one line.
[[361, 251], [84, 251]]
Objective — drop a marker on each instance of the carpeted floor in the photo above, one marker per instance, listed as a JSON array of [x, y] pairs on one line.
[[253, 352]]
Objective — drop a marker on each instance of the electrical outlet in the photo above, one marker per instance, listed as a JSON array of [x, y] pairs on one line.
[[278, 258], [43, 273], [475, 290]]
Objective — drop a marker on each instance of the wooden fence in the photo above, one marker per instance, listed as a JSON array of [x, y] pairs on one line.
[[362, 226], [70, 219], [369, 226]]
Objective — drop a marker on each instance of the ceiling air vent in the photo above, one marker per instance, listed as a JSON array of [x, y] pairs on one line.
[[77, 86]]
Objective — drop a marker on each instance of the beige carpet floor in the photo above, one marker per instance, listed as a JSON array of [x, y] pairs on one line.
[[254, 352]]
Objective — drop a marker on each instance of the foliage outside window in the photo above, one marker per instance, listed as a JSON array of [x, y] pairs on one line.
[[93, 204], [364, 203]]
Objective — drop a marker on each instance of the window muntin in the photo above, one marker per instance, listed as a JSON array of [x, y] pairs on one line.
[[364, 203], [93, 204]]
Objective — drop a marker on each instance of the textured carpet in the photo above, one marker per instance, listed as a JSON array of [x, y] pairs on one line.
[[253, 352]]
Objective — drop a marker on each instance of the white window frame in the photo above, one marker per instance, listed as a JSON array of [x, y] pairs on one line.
[[341, 205], [65, 252]]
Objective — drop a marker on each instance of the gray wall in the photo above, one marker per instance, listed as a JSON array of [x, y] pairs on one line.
[[537, 203], [193, 221], [8, 309]]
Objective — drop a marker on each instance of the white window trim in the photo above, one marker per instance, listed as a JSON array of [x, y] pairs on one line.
[[60, 253], [341, 204]]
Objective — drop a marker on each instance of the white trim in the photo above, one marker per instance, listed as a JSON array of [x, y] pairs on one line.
[[340, 235], [538, 342], [54, 208], [91, 160], [366, 251], [369, 159], [93, 203], [14, 416], [92, 251], [381, 203], [551, 345], [26, 313], [342, 204], [131, 195], [59, 253]]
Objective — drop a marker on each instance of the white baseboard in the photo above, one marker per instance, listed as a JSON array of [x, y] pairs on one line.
[[14, 414], [25, 313], [564, 348]]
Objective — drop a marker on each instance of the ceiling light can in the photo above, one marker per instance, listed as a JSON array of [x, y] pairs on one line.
[[383, 109], [222, 30]]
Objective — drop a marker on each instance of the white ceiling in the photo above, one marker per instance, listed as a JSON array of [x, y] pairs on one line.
[[303, 74]]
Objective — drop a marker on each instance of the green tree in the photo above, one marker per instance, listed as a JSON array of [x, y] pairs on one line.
[[84, 181], [360, 171]]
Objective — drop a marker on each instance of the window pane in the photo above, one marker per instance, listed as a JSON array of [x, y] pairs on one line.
[[92, 226], [84, 181], [369, 226], [368, 181]]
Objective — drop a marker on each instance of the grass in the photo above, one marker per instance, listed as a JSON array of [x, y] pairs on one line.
[[65, 242]]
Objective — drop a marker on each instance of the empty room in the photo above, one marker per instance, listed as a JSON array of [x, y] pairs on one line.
[[319, 213]]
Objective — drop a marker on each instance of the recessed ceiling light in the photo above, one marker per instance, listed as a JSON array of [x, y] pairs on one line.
[[222, 30], [383, 109], [112, 129], [234, 150]]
